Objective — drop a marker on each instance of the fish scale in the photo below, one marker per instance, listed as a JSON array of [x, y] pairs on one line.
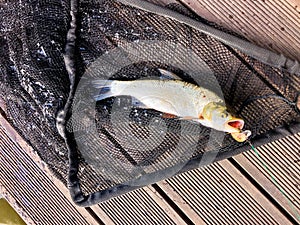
[[175, 97]]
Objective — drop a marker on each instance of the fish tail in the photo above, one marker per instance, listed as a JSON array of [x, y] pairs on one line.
[[104, 89]]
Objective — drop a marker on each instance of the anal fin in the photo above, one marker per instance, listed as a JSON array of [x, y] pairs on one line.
[[169, 116]]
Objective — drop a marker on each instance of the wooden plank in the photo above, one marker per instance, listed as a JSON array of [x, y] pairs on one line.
[[163, 2], [144, 206], [152, 199], [13, 203], [181, 202], [26, 184], [101, 214], [220, 194], [282, 157], [271, 24], [165, 206]]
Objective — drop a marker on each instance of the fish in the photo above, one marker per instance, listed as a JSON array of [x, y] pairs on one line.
[[176, 98]]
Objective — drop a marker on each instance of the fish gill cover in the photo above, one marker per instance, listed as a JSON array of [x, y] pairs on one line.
[[102, 149]]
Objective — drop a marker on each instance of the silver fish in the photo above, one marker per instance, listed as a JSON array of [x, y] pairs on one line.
[[174, 97]]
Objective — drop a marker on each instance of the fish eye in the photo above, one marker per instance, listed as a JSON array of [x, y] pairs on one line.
[[224, 115]]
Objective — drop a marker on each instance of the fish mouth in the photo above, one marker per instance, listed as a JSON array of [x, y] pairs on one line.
[[241, 136], [235, 125]]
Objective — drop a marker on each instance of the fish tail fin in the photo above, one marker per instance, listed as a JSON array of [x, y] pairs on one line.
[[104, 89]]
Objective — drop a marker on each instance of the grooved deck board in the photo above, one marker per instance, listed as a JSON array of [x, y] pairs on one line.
[[219, 194], [143, 206], [29, 186], [271, 24], [282, 157]]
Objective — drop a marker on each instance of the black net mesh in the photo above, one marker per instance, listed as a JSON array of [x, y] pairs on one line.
[[117, 142], [34, 82]]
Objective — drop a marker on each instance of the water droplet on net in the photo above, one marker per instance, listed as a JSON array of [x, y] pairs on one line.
[[117, 35]]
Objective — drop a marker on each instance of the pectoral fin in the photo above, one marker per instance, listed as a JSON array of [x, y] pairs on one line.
[[187, 118], [172, 116]]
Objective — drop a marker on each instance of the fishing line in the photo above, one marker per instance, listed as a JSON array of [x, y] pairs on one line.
[[274, 181]]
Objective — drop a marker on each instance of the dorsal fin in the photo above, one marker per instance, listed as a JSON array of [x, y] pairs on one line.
[[167, 75]]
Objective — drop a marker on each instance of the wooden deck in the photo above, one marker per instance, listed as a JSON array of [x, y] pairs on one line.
[[233, 191]]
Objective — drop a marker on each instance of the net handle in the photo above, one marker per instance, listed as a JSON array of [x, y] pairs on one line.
[[266, 56]]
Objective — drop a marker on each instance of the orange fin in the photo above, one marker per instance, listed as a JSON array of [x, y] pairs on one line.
[[187, 118], [169, 116], [201, 117]]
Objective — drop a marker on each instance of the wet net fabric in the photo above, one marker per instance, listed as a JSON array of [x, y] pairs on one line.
[[122, 147], [34, 82]]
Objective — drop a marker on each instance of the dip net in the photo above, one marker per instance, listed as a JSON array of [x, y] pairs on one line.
[[111, 147]]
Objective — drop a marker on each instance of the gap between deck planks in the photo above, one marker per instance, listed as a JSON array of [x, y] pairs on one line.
[[220, 194]]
